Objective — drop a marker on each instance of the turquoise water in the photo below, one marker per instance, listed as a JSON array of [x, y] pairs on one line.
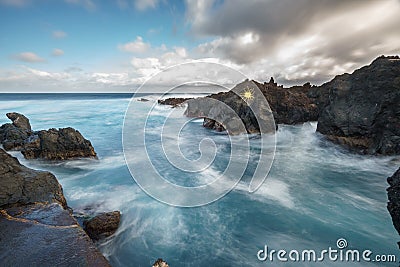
[[315, 193]]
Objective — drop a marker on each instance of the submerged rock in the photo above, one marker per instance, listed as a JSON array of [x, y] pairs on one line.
[[102, 225], [393, 205], [36, 228], [361, 111], [52, 144]]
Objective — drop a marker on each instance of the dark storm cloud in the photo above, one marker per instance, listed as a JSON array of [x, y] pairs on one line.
[[309, 39]]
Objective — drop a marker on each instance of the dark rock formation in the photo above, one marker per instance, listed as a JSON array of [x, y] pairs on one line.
[[234, 110], [53, 144], [288, 105], [102, 225], [160, 263], [362, 110], [173, 101], [21, 185], [393, 205], [36, 229], [20, 121], [61, 144], [13, 135]]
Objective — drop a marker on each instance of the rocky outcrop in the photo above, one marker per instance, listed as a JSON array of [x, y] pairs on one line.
[[102, 225], [21, 185], [13, 135], [61, 144], [52, 144], [393, 205], [36, 229], [288, 105], [361, 111], [241, 110], [160, 263], [173, 101]]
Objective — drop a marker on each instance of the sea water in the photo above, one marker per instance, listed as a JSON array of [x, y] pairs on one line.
[[315, 193]]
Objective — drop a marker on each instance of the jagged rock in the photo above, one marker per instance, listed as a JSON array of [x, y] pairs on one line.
[[361, 110], [19, 121], [36, 228], [233, 110], [52, 144], [61, 144], [21, 185], [160, 263], [173, 101], [102, 225], [13, 136], [393, 205], [288, 105]]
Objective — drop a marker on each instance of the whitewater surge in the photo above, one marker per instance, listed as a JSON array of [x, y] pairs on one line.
[[315, 193]]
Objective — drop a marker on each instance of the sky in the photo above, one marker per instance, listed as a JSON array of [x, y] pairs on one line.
[[115, 46]]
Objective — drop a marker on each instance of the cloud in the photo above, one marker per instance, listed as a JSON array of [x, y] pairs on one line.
[[48, 75], [57, 52], [137, 46], [142, 5], [59, 34], [296, 40], [15, 3], [88, 4], [29, 57]]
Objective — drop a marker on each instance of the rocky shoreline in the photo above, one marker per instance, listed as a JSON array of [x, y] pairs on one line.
[[359, 111], [36, 225], [35, 220]]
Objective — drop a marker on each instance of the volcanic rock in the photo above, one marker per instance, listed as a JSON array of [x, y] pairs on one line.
[[61, 144], [393, 205], [173, 101], [52, 144], [288, 106], [21, 185], [36, 228], [361, 111], [160, 263], [102, 225]]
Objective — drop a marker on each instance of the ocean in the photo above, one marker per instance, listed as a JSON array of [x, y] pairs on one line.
[[316, 193]]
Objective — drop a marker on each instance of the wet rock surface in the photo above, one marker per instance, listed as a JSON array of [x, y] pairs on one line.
[[45, 235], [52, 144], [361, 111], [36, 228], [393, 205], [102, 225]]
